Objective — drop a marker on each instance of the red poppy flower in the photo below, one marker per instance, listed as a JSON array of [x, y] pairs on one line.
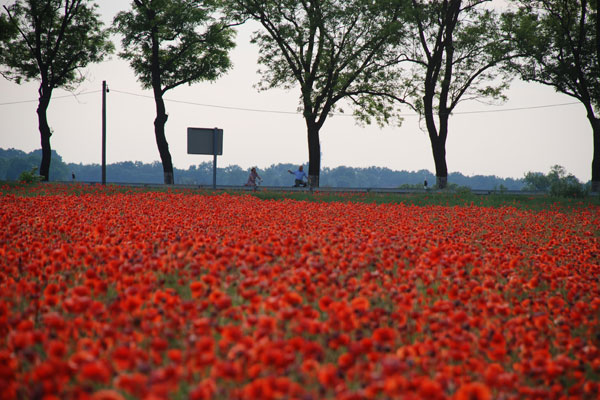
[[57, 349], [134, 384], [345, 361], [95, 371], [205, 390], [328, 375], [107, 394], [360, 304], [430, 389], [197, 289], [384, 335], [473, 391]]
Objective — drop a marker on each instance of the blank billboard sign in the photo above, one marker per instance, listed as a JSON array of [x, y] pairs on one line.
[[200, 141]]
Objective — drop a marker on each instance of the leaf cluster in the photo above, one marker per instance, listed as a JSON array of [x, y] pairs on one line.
[[180, 40], [333, 50], [455, 52], [558, 44], [51, 41]]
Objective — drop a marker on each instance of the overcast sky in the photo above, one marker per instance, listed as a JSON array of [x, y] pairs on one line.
[[505, 140]]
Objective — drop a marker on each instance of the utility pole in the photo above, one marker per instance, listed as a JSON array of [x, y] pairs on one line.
[[104, 91]]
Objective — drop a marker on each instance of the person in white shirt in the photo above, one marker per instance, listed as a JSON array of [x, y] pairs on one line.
[[299, 175]]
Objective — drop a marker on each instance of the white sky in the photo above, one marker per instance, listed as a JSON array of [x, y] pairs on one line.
[[493, 142]]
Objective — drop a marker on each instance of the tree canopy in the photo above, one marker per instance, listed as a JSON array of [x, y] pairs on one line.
[[55, 40], [190, 43], [331, 50], [169, 43], [453, 54], [559, 44], [51, 41]]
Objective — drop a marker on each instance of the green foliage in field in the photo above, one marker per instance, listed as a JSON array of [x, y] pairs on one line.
[[447, 197], [30, 176], [440, 198], [558, 182]]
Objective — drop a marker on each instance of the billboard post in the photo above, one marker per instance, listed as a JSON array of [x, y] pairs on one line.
[[214, 149], [206, 141]]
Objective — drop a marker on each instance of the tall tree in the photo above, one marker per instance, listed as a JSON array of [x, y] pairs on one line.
[[332, 50], [560, 44], [170, 43], [56, 38], [455, 53]]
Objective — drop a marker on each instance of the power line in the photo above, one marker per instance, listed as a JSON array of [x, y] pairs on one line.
[[211, 105], [53, 97], [340, 115], [517, 108], [291, 112]]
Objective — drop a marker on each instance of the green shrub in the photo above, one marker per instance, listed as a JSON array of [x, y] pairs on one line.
[[537, 182], [568, 186], [462, 190], [557, 182], [30, 176], [408, 186]]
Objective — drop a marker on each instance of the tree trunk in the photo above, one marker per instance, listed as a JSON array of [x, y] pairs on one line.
[[439, 150], [161, 113], [438, 142], [598, 32], [436, 64], [161, 140], [596, 157], [45, 133], [314, 154], [596, 121], [439, 157]]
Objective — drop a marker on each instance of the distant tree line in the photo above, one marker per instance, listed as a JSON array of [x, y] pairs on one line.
[[14, 162]]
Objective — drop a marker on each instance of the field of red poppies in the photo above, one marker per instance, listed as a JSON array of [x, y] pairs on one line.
[[177, 295]]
